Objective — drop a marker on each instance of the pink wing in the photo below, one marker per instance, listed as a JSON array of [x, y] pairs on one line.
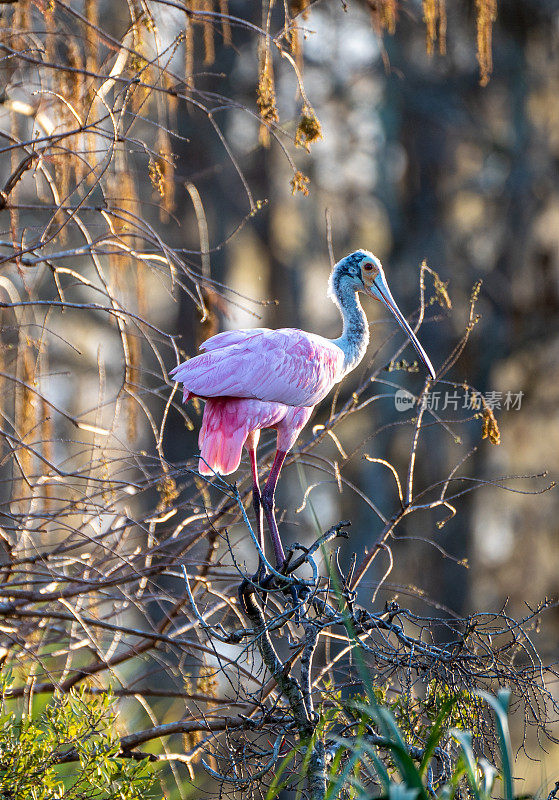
[[283, 366], [231, 337]]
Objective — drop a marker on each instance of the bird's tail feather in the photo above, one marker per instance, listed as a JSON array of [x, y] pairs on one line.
[[221, 445]]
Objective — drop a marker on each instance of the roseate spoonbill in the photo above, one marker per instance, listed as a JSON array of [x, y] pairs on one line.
[[262, 378]]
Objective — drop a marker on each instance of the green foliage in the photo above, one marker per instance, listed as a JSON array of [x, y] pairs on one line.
[[370, 756], [70, 751], [414, 717], [462, 709], [378, 762]]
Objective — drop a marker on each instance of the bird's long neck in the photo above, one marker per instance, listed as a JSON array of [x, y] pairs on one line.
[[355, 335]]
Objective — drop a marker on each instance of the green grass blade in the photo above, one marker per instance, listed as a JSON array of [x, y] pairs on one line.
[[489, 774], [464, 739], [399, 791], [275, 787], [378, 764], [334, 790], [436, 734], [500, 706], [407, 769], [388, 729]]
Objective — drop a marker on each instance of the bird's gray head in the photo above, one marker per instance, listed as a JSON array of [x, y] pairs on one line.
[[356, 272], [362, 271]]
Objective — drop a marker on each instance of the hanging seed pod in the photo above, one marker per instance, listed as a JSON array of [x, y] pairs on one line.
[[123, 197], [155, 174], [266, 96], [25, 409], [209, 45], [490, 428], [62, 174], [166, 174], [225, 26], [189, 47], [74, 91], [91, 64], [207, 683], [294, 38], [168, 493], [300, 183], [434, 16], [191, 738], [308, 129], [22, 24], [383, 15], [132, 379], [486, 16], [50, 46], [442, 296], [91, 35], [208, 686]]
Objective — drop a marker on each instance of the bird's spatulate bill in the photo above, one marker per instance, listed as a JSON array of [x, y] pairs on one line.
[[386, 297]]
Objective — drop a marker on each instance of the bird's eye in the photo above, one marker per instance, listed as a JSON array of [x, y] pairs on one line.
[[367, 267]]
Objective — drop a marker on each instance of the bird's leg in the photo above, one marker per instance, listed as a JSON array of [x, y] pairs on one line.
[[247, 586], [257, 506], [268, 503]]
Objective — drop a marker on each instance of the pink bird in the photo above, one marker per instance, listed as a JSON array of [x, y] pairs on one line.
[[262, 378]]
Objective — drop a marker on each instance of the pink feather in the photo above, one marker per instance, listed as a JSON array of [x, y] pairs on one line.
[[227, 422], [255, 379], [286, 366]]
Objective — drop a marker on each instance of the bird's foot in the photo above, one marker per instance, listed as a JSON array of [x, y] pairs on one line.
[[263, 582], [299, 594], [256, 583]]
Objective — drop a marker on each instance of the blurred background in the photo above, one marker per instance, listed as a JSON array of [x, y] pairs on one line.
[[438, 157]]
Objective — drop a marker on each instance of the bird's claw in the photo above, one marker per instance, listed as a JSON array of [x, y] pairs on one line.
[[257, 582], [263, 582], [299, 594]]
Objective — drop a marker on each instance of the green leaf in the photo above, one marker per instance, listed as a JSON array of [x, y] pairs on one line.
[[399, 791], [500, 706], [275, 787], [489, 774], [436, 734], [464, 739], [334, 790], [378, 764]]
